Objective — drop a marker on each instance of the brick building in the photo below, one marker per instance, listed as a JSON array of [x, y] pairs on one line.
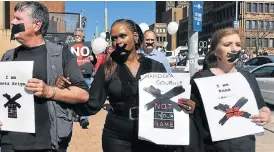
[[161, 33]]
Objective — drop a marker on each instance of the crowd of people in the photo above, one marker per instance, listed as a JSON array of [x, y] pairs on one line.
[[131, 55]]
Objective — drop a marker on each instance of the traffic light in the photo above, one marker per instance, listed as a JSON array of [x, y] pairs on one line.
[[107, 36], [84, 21]]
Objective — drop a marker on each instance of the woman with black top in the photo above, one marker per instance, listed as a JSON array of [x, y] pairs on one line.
[[118, 78], [223, 42]]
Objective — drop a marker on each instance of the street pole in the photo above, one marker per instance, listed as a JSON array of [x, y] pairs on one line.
[[81, 15], [106, 17], [96, 30], [80, 25], [236, 12], [192, 43]]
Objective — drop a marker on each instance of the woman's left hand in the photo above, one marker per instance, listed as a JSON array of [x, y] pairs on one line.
[[62, 82], [263, 117]]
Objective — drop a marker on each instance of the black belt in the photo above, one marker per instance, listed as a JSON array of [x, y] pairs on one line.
[[131, 113]]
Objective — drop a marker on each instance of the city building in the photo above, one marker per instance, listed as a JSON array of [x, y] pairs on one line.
[[161, 34], [172, 15], [170, 11], [161, 7], [181, 4], [257, 26], [182, 34], [6, 15], [256, 23]]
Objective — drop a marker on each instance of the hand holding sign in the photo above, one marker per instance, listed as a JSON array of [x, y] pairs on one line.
[[187, 104], [39, 88], [263, 117]]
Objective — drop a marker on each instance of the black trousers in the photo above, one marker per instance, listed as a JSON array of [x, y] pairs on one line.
[[110, 143]]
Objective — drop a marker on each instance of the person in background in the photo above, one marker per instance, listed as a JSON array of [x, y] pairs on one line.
[[101, 58], [226, 41], [150, 52], [86, 67]]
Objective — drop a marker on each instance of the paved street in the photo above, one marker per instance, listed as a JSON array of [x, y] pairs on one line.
[[265, 143], [89, 140]]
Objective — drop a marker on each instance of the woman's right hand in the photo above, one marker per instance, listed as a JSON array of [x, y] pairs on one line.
[[187, 104]]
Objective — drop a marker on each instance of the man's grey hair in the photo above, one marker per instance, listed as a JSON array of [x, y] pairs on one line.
[[80, 30], [38, 12]]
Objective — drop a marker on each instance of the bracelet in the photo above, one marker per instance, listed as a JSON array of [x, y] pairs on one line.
[[54, 93]]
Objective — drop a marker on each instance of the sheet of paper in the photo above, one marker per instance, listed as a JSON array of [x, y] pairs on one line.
[[229, 102], [16, 104], [161, 120]]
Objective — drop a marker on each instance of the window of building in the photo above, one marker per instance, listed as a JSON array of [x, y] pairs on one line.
[[253, 42], [254, 24], [270, 43], [247, 42], [160, 30], [259, 26], [271, 25], [254, 7], [164, 39], [247, 27], [232, 11], [248, 7], [174, 16], [164, 30], [261, 7], [157, 30], [271, 8], [266, 25], [265, 42], [266, 7]]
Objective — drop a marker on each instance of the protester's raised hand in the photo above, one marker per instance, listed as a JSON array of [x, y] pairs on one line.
[[62, 82], [187, 104]]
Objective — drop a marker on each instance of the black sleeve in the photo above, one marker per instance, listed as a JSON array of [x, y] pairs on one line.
[[94, 58], [199, 115], [72, 70], [157, 66], [97, 95], [255, 88], [195, 93], [162, 68]]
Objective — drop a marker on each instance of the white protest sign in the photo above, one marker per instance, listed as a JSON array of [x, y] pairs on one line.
[[16, 105], [229, 102], [161, 120]]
